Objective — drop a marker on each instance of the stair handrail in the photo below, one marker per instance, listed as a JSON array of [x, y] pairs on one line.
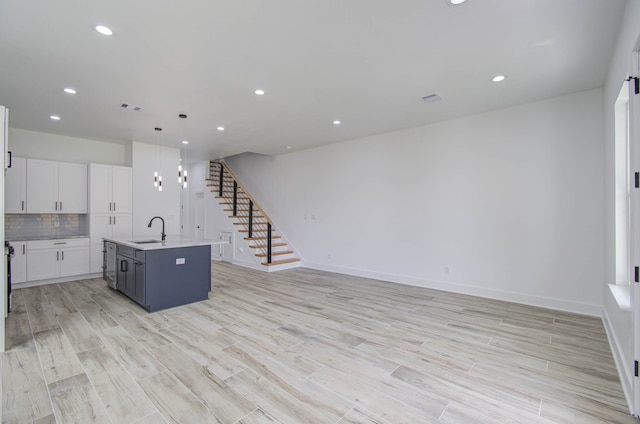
[[252, 203], [246, 192]]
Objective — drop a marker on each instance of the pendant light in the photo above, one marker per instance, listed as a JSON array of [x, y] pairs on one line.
[[182, 171], [157, 177]]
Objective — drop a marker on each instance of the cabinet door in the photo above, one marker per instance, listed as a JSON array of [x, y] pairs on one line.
[[122, 189], [19, 262], [125, 275], [72, 188], [42, 186], [15, 186], [100, 187], [74, 261], [100, 226], [121, 228], [96, 256], [43, 264], [138, 292]]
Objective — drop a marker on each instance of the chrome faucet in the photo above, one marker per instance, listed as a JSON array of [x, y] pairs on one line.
[[164, 236]]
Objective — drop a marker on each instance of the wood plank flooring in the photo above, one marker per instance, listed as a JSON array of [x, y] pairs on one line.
[[302, 346]]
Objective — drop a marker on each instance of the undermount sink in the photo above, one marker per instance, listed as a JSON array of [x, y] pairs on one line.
[[145, 241]]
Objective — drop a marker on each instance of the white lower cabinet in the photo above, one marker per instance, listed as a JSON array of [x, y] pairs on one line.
[[19, 262], [57, 258], [106, 225]]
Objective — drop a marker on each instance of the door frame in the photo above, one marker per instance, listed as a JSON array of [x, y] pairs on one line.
[[199, 211]]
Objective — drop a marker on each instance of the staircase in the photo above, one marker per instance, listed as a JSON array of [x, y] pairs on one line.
[[250, 220]]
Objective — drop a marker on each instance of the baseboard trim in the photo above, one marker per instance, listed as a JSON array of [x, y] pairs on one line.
[[522, 298], [622, 364], [15, 286]]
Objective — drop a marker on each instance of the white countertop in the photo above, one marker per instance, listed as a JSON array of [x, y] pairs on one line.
[[171, 242]]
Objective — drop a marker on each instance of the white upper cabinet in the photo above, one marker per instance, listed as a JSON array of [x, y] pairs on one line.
[[15, 186], [110, 189], [72, 187], [56, 187], [42, 186]]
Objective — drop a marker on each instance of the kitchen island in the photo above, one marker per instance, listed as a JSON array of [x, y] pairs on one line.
[[159, 274]]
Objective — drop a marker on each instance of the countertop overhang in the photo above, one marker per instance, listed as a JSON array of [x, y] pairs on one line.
[[172, 242]]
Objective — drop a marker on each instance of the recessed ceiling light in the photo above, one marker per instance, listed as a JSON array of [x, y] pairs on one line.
[[220, 128], [498, 78], [455, 2], [54, 117], [69, 90], [185, 142], [288, 147], [259, 92], [103, 30], [336, 122]]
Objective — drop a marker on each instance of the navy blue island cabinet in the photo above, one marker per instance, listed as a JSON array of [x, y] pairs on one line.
[[159, 275]]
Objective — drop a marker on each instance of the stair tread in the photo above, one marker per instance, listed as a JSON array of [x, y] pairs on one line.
[[246, 217], [258, 231], [261, 238], [284, 261], [264, 246], [283, 252]]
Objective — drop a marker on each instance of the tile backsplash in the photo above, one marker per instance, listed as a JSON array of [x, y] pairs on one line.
[[19, 226]]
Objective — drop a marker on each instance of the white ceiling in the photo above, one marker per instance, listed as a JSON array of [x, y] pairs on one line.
[[364, 62]]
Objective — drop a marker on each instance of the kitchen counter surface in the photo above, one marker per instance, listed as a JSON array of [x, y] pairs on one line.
[[172, 242], [32, 238]]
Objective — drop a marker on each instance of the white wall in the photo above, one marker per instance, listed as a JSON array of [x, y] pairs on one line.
[[147, 200], [38, 145], [619, 323], [507, 204]]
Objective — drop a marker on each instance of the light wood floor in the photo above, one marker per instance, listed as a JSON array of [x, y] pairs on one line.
[[302, 346]]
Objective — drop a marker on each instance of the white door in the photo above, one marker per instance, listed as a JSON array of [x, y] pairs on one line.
[[74, 261], [199, 216], [100, 188], [43, 264], [122, 226], [42, 186], [72, 187], [122, 189], [634, 160], [15, 186], [19, 262], [226, 250]]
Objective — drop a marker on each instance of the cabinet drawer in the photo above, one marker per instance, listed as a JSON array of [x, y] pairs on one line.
[[140, 255], [57, 243], [125, 250]]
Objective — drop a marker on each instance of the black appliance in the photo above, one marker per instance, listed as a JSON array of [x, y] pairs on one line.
[[9, 252]]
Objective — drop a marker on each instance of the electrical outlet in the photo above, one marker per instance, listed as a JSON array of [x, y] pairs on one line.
[[446, 270]]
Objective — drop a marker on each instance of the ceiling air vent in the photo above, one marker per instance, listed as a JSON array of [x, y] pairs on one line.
[[130, 107], [431, 98]]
